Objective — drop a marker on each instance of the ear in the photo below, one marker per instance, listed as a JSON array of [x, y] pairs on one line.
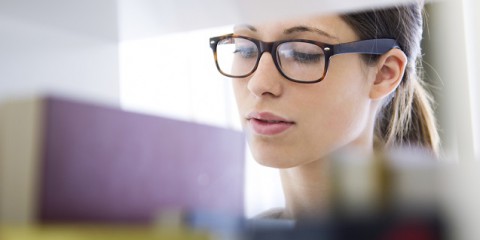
[[390, 69]]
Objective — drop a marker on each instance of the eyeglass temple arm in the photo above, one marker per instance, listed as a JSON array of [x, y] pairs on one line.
[[371, 46]]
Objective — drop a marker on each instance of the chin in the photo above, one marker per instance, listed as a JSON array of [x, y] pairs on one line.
[[275, 164], [274, 160], [279, 153]]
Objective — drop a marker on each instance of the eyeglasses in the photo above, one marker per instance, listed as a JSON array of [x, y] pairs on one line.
[[298, 60]]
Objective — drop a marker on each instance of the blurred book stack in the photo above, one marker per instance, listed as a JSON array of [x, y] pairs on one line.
[[66, 162]]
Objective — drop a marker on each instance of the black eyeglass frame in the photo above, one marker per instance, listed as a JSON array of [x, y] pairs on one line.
[[377, 46]]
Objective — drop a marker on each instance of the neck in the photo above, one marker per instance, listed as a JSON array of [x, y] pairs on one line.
[[307, 187], [306, 190]]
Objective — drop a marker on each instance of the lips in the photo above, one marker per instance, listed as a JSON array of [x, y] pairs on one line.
[[265, 123]]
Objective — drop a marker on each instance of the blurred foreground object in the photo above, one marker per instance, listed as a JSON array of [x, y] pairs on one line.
[[64, 161], [401, 194], [98, 232], [147, 18], [390, 195]]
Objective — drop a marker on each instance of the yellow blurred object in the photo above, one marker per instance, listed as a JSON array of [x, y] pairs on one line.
[[97, 232]]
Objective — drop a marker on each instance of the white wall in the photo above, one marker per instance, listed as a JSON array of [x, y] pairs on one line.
[[66, 47], [472, 35], [455, 60]]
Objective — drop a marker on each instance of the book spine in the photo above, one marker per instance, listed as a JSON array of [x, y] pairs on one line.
[[20, 154]]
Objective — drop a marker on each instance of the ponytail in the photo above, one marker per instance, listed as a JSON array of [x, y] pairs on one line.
[[408, 119]]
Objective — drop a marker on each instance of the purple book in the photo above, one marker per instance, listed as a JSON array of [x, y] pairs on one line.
[[101, 164]]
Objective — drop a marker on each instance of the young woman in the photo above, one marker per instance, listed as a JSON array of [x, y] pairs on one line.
[[308, 87]]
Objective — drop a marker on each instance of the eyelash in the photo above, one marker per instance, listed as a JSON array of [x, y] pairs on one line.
[[306, 57], [250, 51]]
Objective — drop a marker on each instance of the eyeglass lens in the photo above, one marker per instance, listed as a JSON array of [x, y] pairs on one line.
[[299, 61]]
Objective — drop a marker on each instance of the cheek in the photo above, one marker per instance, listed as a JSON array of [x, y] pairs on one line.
[[335, 124], [344, 117], [338, 111], [240, 90]]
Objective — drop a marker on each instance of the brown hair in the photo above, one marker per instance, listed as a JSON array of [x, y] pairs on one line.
[[407, 116]]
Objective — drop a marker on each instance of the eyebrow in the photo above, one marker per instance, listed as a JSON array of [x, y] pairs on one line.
[[289, 31], [247, 26], [299, 29]]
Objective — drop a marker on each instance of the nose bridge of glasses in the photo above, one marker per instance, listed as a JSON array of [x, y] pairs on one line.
[[265, 47], [268, 47]]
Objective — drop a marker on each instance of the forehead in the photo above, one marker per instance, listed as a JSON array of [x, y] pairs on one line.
[[329, 28]]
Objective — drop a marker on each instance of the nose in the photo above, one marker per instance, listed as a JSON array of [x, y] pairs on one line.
[[266, 80]]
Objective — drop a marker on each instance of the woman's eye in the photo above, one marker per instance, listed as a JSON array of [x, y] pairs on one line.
[[246, 52], [303, 57]]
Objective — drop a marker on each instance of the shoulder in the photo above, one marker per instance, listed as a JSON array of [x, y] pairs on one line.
[[271, 219], [274, 213]]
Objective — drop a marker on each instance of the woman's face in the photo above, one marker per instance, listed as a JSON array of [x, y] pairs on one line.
[[290, 124]]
